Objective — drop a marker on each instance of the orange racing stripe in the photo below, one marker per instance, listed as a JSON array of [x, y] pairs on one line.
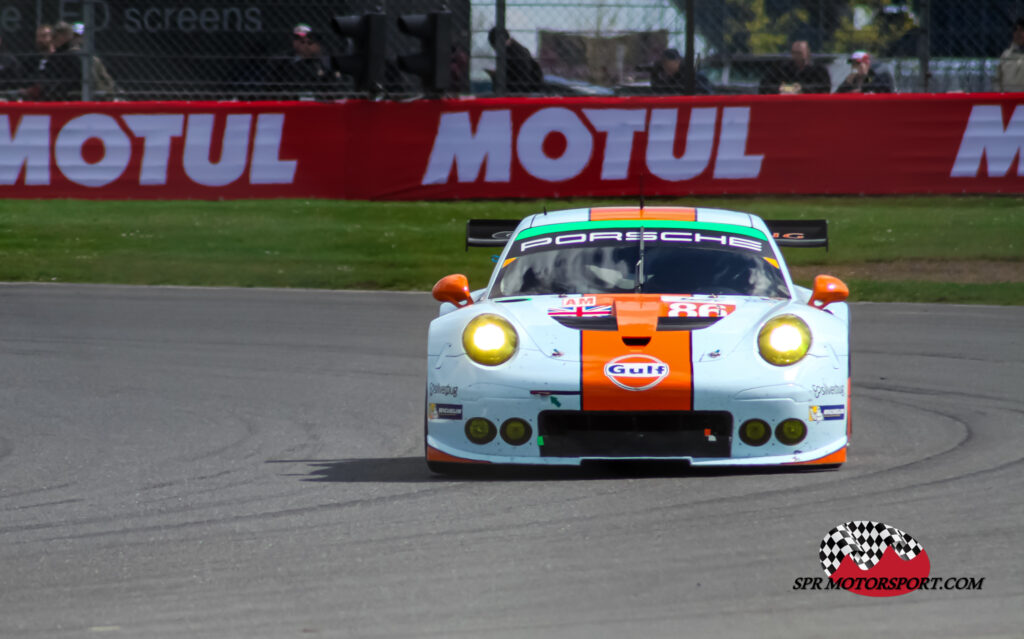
[[678, 213], [600, 392]]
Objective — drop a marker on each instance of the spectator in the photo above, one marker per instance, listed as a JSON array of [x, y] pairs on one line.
[[1010, 75], [102, 84], [309, 68], [458, 70], [60, 73], [10, 70], [669, 76], [863, 78], [35, 62], [522, 73], [44, 39], [799, 74]]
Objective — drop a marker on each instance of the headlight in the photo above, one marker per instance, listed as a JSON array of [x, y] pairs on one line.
[[784, 340], [489, 339]]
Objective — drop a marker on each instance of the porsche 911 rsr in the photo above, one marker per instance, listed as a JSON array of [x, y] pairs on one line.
[[630, 333]]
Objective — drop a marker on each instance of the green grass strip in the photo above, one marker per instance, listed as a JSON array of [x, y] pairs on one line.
[[410, 245]]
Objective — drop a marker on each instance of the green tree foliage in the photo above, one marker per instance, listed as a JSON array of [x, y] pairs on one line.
[[884, 28], [768, 26]]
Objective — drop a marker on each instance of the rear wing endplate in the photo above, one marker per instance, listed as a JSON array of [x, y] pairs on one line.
[[489, 232], [799, 233]]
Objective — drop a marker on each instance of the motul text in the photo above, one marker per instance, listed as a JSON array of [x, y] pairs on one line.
[[494, 143], [96, 149]]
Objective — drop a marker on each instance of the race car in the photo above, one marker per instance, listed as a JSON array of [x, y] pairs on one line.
[[639, 333]]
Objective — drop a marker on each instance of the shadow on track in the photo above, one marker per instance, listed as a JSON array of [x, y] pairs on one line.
[[405, 470]]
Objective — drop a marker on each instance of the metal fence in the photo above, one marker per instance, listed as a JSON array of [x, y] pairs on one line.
[[287, 49]]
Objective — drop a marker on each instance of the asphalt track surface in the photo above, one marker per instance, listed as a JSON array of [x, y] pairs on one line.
[[248, 463]]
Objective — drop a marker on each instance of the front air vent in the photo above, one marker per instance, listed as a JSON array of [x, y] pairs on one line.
[[597, 323], [635, 433], [685, 323], [636, 341]]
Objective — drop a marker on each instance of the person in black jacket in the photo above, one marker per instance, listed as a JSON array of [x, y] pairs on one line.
[[863, 78], [799, 74], [668, 75], [522, 73], [59, 76]]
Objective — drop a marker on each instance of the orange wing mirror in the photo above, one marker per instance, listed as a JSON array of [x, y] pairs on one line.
[[828, 289], [454, 289]]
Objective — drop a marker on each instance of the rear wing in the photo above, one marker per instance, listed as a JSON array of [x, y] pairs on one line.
[[489, 232], [799, 233]]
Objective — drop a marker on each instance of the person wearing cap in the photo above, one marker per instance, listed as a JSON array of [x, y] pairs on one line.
[[1010, 74], [864, 79], [103, 85], [668, 75], [309, 68], [799, 74]]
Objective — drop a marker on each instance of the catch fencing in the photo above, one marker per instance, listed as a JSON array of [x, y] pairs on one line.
[[251, 50]]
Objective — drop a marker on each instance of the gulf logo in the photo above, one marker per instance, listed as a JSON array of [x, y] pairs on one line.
[[636, 372]]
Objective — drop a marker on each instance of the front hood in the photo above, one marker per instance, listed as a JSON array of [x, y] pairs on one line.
[[553, 322]]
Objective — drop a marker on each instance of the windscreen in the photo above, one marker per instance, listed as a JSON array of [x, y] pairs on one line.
[[676, 260]]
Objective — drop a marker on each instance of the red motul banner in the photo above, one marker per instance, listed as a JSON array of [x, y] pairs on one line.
[[515, 148]]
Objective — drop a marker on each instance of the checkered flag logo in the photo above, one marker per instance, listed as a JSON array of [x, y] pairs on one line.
[[866, 541]]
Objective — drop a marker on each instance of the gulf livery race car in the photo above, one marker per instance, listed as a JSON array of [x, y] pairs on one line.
[[663, 333]]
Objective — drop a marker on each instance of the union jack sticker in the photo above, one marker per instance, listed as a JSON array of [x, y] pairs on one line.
[[580, 311]]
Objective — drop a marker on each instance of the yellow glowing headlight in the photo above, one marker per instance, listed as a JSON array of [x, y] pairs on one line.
[[489, 339], [784, 340]]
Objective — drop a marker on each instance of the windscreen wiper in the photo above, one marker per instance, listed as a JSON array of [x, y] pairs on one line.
[[638, 274]]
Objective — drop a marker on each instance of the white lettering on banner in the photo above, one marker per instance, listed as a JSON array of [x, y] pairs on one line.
[[457, 144], [266, 167], [985, 135], [661, 141], [156, 132], [28, 147], [621, 126], [732, 161], [117, 150], [235, 144], [530, 145]]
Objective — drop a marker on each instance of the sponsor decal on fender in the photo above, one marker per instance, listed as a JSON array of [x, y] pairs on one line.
[[444, 389], [636, 372], [834, 412], [445, 411], [821, 390], [824, 413]]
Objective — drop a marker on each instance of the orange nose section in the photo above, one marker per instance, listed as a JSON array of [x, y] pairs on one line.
[[658, 376]]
